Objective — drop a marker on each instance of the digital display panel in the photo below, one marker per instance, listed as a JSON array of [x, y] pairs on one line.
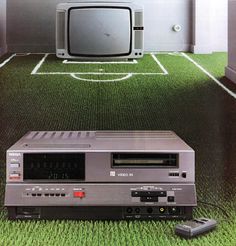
[[54, 166]]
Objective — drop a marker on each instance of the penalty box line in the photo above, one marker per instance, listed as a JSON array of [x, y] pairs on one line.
[[128, 75]]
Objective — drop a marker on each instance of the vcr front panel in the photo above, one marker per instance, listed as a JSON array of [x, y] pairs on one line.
[[100, 175], [140, 201]]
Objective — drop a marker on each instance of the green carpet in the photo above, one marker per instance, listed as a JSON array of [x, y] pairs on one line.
[[185, 101]]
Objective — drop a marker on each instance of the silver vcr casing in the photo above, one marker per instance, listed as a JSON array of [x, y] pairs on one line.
[[100, 175]]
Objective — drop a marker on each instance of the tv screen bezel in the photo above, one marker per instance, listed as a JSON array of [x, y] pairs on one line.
[[96, 55]]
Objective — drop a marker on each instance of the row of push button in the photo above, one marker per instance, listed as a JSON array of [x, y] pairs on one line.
[[148, 193], [152, 196], [76, 194], [47, 194], [14, 175]]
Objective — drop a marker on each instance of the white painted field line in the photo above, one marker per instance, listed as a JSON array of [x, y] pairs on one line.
[[75, 75], [23, 54], [7, 60], [129, 75], [98, 62], [38, 53], [20, 54], [93, 73], [40, 64], [210, 76], [11, 57], [35, 71], [175, 53], [162, 52], [159, 64]]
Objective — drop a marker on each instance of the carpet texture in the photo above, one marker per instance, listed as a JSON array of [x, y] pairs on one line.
[[186, 101]]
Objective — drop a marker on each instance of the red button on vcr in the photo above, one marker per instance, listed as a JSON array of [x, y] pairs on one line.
[[79, 194]]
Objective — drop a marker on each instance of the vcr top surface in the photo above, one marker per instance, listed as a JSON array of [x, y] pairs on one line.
[[101, 141]]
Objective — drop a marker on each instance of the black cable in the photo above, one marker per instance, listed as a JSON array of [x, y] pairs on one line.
[[216, 206]]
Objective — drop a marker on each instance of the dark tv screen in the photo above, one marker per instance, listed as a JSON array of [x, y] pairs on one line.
[[99, 31]]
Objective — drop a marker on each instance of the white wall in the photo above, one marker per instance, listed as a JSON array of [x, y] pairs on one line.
[[33, 29], [2, 27], [159, 19], [231, 68], [210, 21], [202, 30], [219, 25]]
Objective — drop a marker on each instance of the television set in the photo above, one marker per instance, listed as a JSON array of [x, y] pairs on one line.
[[99, 30]]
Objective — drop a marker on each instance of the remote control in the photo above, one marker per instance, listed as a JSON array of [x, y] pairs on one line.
[[195, 227]]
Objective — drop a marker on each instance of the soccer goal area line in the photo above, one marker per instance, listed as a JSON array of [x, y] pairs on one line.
[[79, 75]]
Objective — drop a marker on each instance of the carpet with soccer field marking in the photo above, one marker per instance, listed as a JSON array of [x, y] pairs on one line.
[[158, 92]]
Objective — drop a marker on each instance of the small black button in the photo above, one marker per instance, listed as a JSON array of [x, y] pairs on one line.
[[129, 210], [170, 198], [161, 193], [135, 194], [149, 199], [184, 175], [150, 210]]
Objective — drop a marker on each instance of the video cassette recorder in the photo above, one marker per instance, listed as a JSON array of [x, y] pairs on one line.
[[100, 175]]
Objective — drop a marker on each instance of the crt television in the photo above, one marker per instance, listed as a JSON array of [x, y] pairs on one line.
[[99, 30]]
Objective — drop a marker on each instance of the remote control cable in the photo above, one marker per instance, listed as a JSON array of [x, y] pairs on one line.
[[216, 206]]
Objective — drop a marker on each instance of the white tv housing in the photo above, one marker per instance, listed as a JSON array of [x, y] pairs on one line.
[[99, 30]]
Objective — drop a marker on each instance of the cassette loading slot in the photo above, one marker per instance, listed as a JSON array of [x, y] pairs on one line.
[[144, 160]]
